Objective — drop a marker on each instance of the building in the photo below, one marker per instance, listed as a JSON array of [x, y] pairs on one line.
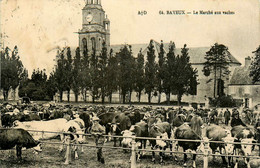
[[95, 27], [242, 88]]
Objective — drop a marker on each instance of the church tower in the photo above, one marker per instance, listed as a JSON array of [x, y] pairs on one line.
[[95, 27]]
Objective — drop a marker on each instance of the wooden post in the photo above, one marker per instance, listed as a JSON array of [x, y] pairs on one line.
[[206, 153], [133, 157], [68, 151]]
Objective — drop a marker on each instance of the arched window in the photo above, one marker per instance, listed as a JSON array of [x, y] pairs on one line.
[[92, 1], [84, 44], [93, 42]]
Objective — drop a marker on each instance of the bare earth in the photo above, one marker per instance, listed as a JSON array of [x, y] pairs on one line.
[[114, 158]]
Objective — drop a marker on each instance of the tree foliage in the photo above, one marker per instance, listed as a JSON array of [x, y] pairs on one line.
[[217, 62], [255, 66], [12, 70], [150, 72]]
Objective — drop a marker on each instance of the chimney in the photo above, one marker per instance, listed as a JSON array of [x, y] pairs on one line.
[[247, 61]]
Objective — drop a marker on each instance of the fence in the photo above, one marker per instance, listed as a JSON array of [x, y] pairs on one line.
[[206, 153]]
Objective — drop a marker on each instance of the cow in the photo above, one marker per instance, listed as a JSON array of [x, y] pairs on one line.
[[106, 120], [87, 120], [185, 132], [19, 138], [161, 130], [243, 135], [217, 133], [140, 129], [120, 123]]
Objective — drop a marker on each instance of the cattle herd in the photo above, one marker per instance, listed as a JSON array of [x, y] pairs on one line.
[[164, 127]]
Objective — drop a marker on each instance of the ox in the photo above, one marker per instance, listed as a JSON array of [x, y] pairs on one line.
[[20, 138], [140, 129], [185, 132], [161, 130], [217, 133], [244, 135]]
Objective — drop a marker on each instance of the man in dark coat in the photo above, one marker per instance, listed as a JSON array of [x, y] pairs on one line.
[[236, 119], [227, 115], [97, 131]]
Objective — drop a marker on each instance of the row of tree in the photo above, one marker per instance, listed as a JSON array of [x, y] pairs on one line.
[[101, 74]]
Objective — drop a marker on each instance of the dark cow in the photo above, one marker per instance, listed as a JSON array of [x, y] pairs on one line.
[[178, 120], [185, 132], [217, 133], [243, 135], [135, 117], [86, 118], [140, 129], [20, 138], [106, 120], [120, 123], [160, 130]]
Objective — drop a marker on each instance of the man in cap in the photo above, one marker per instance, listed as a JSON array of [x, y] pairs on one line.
[[97, 131], [236, 119], [227, 115]]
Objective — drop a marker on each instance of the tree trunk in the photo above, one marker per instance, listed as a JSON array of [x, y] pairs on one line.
[[168, 97], [68, 95], [110, 98], [5, 93], [159, 98], [123, 98], [14, 94], [93, 99], [179, 96], [130, 97], [76, 96], [139, 97], [149, 97], [61, 94]]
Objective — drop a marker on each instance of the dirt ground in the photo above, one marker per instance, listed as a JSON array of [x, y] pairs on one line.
[[50, 157]]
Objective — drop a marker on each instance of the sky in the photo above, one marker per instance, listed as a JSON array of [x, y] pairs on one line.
[[40, 27]]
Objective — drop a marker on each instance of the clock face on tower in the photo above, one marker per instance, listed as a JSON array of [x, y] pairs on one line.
[[89, 18]]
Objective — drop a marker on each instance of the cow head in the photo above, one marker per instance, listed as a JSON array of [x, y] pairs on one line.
[[229, 147], [160, 140], [127, 142], [16, 123], [247, 148], [114, 126]]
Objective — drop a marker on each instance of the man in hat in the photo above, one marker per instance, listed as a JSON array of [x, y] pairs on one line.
[[236, 119], [97, 131], [227, 115]]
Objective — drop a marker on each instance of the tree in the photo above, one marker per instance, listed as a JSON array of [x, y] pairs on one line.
[[102, 66], [169, 72], [111, 75], [150, 71], [255, 66], [160, 73], [36, 88], [217, 61], [139, 73], [126, 70], [94, 76], [85, 83], [59, 74], [68, 72], [185, 76], [76, 74]]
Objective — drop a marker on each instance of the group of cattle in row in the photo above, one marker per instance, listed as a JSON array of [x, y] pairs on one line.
[[129, 122]]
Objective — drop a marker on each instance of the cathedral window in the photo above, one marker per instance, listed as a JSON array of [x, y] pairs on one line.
[[85, 44], [93, 42]]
